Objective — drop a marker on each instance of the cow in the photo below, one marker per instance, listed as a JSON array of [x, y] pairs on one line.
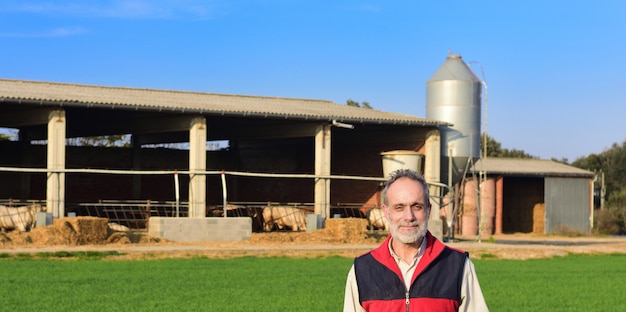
[[377, 219], [115, 227], [284, 216], [258, 221], [255, 213], [21, 218], [346, 212], [231, 211]]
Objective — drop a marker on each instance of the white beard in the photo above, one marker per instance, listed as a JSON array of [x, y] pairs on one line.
[[408, 236]]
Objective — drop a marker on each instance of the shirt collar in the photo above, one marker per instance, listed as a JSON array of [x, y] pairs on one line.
[[419, 254]]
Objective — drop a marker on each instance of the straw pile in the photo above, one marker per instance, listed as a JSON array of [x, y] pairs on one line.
[[73, 232]]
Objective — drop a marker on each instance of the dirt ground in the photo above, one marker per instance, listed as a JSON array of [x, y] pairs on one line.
[[341, 237]]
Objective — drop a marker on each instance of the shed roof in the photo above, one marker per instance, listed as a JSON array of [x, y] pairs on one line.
[[65, 94], [529, 167]]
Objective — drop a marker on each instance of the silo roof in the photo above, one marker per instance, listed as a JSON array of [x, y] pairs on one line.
[[528, 167], [454, 68], [66, 94]]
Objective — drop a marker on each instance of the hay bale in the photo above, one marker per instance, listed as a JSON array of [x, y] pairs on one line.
[[539, 212], [17, 237], [343, 230], [4, 238], [46, 235], [347, 227], [82, 230], [76, 231], [118, 238]]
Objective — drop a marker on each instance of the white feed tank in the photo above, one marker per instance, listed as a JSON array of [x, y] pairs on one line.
[[401, 159], [453, 95]]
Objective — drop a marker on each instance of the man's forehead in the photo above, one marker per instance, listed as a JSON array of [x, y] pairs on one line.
[[407, 192], [406, 195], [407, 185]]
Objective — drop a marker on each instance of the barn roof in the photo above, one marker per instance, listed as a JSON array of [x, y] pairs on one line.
[[65, 94], [529, 167]]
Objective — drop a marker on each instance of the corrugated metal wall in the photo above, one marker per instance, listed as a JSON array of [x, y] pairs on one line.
[[567, 205]]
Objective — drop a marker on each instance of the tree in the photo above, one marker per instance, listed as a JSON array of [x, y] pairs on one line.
[[7, 134], [104, 140], [350, 102], [494, 149], [563, 160], [363, 104], [612, 162]]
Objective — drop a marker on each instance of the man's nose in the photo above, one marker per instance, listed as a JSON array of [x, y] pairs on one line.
[[408, 214]]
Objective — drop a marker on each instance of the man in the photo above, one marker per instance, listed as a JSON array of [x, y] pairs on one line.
[[412, 270]]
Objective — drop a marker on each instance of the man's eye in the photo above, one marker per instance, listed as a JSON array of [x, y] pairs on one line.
[[417, 207]]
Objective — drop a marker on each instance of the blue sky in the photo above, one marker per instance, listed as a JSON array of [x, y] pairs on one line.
[[554, 69]]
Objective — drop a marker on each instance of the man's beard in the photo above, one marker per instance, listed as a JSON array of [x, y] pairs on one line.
[[408, 236]]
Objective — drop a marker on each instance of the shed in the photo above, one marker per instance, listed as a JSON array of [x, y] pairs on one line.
[[528, 196]]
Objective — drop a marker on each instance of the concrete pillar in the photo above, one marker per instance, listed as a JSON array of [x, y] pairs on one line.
[[432, 169], [322, 167], [432, 173], [55, 181], [197, 162]]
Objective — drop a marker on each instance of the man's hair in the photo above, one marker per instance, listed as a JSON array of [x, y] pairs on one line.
[[407, 173]]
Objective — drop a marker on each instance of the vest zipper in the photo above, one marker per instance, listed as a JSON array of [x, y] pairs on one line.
[[407, 301]]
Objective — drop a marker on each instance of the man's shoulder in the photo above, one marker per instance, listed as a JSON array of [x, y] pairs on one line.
[[436, 244]]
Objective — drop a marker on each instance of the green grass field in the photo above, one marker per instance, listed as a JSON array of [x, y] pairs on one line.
[[63, 283], [572, 283]]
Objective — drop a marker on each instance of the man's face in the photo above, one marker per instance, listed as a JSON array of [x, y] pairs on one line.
[[407, 211]]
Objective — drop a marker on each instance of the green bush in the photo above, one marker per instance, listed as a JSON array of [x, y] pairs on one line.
[[610, 221], [568, 231]]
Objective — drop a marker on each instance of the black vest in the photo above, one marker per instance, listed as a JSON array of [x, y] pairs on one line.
[[441, 278]]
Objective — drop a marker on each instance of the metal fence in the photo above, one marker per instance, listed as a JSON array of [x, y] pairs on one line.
[[135, 214], [9, 202]]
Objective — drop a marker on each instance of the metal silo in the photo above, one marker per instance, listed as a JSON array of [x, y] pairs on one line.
[[453, 95]]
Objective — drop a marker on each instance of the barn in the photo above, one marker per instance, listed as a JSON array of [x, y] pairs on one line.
[[300, 152], [526, 196]]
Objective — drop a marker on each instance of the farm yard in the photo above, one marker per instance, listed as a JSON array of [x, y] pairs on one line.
[[346, 237]]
